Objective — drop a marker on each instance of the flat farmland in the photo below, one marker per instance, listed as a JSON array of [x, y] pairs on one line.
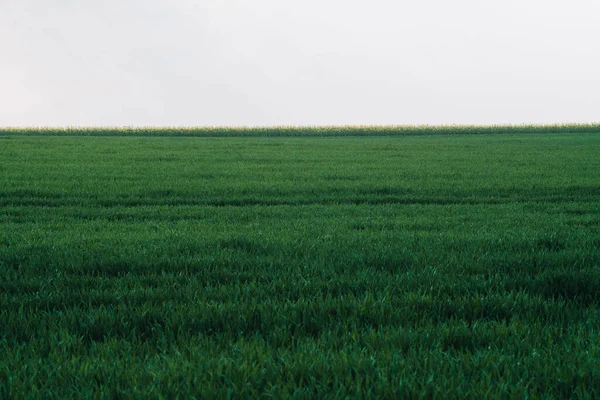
[[442, 265]]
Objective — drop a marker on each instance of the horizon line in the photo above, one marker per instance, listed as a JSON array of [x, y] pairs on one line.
[[326, 126]]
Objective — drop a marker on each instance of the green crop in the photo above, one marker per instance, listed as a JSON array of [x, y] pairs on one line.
[[294, 131], [378, 264]]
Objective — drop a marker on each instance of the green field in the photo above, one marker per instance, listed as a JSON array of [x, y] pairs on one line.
[[439, 265]]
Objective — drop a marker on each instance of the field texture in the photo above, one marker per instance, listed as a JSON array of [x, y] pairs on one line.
[[446, 266]]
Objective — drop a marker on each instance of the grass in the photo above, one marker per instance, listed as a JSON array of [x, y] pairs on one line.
[[294, 131], [448, 266]]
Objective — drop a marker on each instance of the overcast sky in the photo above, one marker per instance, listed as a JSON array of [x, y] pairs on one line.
[[303, 62]]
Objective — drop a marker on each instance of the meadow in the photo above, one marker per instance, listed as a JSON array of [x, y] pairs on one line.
[[398, 264]]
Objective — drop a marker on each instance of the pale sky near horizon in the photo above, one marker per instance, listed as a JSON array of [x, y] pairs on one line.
[[305, 62]]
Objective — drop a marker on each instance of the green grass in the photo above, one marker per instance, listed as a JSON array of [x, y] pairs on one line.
[[445, 266]]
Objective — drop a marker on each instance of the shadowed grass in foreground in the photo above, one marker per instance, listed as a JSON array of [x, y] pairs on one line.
[[454, 266]]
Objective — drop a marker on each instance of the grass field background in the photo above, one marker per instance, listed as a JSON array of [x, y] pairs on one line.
[[437, 265], [302, 131]]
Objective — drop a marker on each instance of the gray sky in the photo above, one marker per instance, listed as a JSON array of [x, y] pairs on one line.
[[303, 62]]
